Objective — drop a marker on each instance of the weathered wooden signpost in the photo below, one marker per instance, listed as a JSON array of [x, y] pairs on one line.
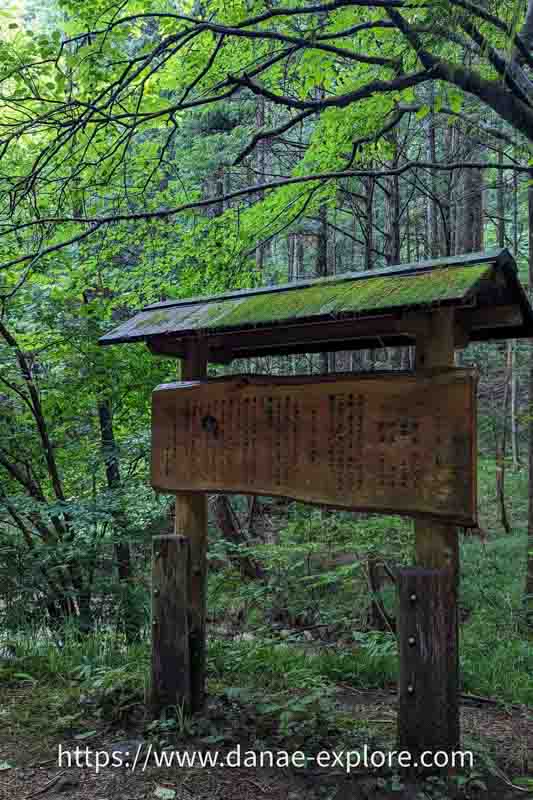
[[383, 442]]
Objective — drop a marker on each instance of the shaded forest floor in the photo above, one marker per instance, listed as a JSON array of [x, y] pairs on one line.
[[501, 739]]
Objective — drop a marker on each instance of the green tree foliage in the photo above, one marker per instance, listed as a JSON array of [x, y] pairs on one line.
[[149, 152]]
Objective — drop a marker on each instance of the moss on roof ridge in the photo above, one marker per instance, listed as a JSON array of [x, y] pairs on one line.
[[370, 294]]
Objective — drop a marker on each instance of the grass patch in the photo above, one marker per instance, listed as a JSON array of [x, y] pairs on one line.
[[496, 650]]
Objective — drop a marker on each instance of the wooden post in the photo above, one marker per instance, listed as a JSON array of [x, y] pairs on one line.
[[437, 544], [191, 521], [171, 666], [437, 548], [428, 713]]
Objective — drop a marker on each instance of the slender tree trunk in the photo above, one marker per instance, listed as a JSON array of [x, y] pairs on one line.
[[77, 589], [232, 532], [260, 156], [322, 267], [432, 205], [500, 202], [294, 272], [528, 593], [392, 240], [366, 356], [130, 608], [378, 618], [446, 246], [290, 256], [501, 446], [515, 448], [392, 221], [369, 223], [322, 243], [471, 233]]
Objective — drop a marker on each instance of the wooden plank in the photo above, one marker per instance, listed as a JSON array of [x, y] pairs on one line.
[[191, 521], [390, 330], [171, 665], [490, 317], [343, 333], [389, 443], [428, 716], [437, 544], [437, 548], [294, 337]]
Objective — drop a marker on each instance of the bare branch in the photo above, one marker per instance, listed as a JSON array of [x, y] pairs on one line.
[[343, 100], [271, 133]]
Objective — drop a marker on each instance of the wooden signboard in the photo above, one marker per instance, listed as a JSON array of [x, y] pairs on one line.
[[389, 443]]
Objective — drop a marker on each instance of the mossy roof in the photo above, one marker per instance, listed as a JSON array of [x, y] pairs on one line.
[[454, 281]]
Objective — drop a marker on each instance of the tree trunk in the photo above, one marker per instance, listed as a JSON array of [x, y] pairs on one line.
[[379, 619], [471, 224], [75, 600], [231, 531], [515, 449], [392, 240], [501, 446], [322, 267], [260, 163], [432, 205], [528, 593], [369, 223], [130, 608], [392, 221]]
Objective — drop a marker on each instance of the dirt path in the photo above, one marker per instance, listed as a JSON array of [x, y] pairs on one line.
[[29, 760]]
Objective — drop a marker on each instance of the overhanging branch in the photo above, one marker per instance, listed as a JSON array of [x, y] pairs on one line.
[[96, 223]]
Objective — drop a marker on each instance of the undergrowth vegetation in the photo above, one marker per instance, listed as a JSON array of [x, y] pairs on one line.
[[304, 626]]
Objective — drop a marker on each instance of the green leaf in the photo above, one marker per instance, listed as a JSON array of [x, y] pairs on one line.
[[24, 676], [5, 765], [423, 111], [456, 101], [526, 782]]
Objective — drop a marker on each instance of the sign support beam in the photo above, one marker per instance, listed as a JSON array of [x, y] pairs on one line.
[[428, 720], [191, 521], [171, 673], [437, 548]]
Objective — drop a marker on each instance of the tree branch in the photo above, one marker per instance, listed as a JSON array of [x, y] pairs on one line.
[[97, 222], [343, 100], [270, 133], [492, 93], [36, 409]]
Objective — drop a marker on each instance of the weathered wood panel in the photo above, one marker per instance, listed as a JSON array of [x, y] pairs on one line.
[[384, 442], [428, 717], [171, 658]]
